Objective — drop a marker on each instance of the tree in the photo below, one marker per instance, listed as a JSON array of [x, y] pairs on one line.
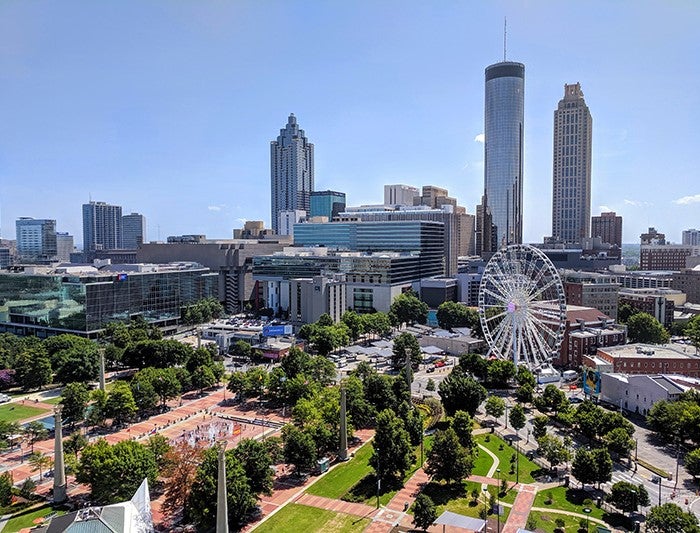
[[628, 497], [156, 353], [424, 512], [203, 378], [201, 503], [644, 328], [523, 377], [553, 450], [97, 411], [39, 461], [160, 448], [115, 472], [517, 417], [692, 462], [500, 372], [448, 459], [241, 349], [325, 339], [35, 432], [692, 330], [495, 406], [475, 364], [619, 441], [78, 364], [120, 405], [32, 370], [406, 345], [256, 462], [463, 425], [256, 381], [430, 386], [458, 391], [525, 393], [392, 452], [625, 311], [75, 443], [6, 486], [453, 315], [539, 426], [295, 362], [74, 399], [354, 323], [583, 467], [670, 518], [552, 399], [377, 324], [603, 465], [325, 320], [181, 462], [408, 309], [299, 448]]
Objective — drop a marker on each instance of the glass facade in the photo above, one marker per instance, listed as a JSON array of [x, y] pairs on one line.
[[85, 303], [503, 154], [327, 204]]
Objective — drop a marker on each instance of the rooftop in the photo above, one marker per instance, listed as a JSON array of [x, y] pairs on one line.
[[658, 351]]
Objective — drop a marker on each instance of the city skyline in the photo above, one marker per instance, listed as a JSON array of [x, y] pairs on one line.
[[175, 122]]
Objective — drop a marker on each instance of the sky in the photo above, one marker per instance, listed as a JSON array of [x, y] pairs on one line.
[[167, 108]]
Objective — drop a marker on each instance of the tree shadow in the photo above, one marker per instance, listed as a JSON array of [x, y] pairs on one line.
[[442, 494], [366, 488]]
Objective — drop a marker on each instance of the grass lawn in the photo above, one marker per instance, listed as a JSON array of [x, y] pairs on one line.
[[53, 401], [527, 467], [26, 518], [458, 499], [365, 490], [294, 517], [343, 477], [15, 412]]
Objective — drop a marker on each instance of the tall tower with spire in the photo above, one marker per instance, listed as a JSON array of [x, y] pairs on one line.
[[502, 203], [291, 171]]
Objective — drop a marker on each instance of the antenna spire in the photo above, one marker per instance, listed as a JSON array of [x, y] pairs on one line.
[[505, 35]]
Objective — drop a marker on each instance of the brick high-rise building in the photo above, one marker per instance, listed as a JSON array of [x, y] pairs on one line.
[[608, 226], [571, 181]]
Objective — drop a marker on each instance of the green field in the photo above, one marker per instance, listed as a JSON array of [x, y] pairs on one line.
[[53, 401], [26, 518], [526, 467], [295, 517], [16, 412], [342, 478]]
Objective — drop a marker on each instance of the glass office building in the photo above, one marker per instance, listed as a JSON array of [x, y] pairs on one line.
[[327, 204], [425, 238], [46, 301], [503, 154]]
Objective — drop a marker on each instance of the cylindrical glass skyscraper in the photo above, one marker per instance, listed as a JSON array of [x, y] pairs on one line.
[[503, 155]]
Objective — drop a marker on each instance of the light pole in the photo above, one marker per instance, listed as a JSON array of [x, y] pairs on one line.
[[657, 479], [506, 404], [587, 510], [498, 500]]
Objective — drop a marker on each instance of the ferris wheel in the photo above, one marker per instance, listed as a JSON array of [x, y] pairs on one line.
[[522, 306]]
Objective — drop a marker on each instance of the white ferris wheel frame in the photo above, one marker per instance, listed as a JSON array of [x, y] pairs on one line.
[[522, 306]]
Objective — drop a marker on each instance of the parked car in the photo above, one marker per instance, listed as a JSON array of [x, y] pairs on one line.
[[4, 398]]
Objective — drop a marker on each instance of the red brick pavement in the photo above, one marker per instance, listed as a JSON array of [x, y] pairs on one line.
[[521, 509], [409, 492], [339, 506]]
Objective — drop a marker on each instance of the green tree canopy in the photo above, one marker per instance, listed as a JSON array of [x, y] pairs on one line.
[[255, 459], [408, 309], [120, 404], [642, 327], [670, 518], [448, 460], [354, 323], [517, 417], [692, 462], [201, 503], [115, 472], [299, 448], [463, 425], [500, 372], [406, 344], [74, 399], [628, 497], [156, 353], [424, 512], [459, 391], [453, 315], [495, 406], [553, 449], [392, 452]]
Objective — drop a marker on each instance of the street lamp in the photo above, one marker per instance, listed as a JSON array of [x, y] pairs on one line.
[[498, 500], [657, 479], [587, 510]]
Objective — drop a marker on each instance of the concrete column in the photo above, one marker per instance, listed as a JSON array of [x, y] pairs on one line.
[[59, 471], [102, 370], [221, 496], [343, 452]]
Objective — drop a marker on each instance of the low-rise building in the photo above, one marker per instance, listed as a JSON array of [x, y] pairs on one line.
[[83, 299], [665, 256], [313, 297], [646, 359], [659, 303], [586, 330], [688, 282], [638, 393], [591, 289]]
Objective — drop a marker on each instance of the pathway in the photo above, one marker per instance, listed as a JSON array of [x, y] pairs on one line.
[[494, 466], [520, 509]]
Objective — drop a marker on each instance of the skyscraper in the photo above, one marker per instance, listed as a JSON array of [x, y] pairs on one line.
[[36, 239], [102, 227], [133, 230], [608, 226], [503, 156], [691, 237], [571, 183], [291, 171]]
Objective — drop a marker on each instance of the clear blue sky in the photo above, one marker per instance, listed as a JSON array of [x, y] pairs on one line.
[[167, 108]]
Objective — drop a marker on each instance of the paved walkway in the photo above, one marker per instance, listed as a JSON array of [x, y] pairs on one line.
[[494, 466], [520, 509], [338, 506]]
